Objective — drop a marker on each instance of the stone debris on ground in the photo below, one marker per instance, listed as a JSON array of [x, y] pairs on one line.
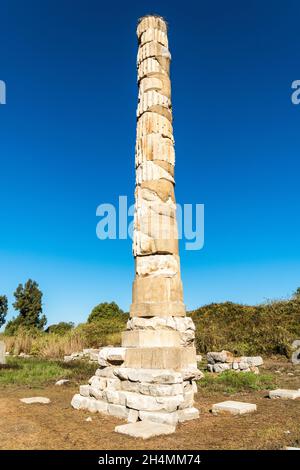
[[62, 382], [89, 419], [90, 354], [145, 429], [284, 393], [32, 400], [225, 360], [233, 407]]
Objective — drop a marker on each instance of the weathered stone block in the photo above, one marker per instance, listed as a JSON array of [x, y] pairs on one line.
[[113, 383], [96, 393], [161, 376], [160, 358], [78, 402], [92, 406], [233, 407], [213, 357], [184, 325], [105, 372], [284, 393], [188, 400], [133, 416], [148, 403], [151, 338], [191, 373], [102, 406], [221, 367], [84, 390], [108, 356], [119, 411], [160, 390], [252, 361], [32, 400], [159, 417], [145, 429], [188, 414]]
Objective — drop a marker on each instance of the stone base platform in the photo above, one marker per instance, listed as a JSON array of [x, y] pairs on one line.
[[160, 395]]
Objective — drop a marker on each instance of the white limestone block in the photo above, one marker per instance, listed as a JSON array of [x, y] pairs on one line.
[[145, 429], [116, 397], [188, 400], [105, 372], [233, 407], [113, 384], [252, 360], [96, 393], [133, 416], [141, 402], [160, 390], [32, 400], [102, 406], [119, 411], [92, 406], [188, 414], [159, 417], [108, 356], [219, 367], [213, 357], [284, 393], [84, 390], [192, 373], [149, 375], [78, 402], [157, 265]]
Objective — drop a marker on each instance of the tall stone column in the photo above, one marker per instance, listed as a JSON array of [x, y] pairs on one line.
[[157, 288], [157, 300], [153, 375]]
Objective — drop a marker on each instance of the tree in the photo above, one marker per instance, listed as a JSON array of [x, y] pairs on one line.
[[105, 310], [29, 303], [60, 328], [3, 309]]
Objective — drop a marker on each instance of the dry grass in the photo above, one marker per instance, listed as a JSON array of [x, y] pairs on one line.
[[44, 345]]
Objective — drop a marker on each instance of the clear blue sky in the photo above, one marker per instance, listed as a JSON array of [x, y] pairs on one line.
[[67, 137]]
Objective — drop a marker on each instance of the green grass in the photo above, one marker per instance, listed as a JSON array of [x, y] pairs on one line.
[[232, 382], [36, 372]]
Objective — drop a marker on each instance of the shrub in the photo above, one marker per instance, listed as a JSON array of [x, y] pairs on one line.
[[104, 311], [60, 328], [245, 330]]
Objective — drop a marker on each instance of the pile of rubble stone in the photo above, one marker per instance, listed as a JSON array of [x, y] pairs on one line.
[[225, 360], [90, 354], [159, 395]]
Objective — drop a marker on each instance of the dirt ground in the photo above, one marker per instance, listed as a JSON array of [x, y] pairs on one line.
[[276, 423]]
